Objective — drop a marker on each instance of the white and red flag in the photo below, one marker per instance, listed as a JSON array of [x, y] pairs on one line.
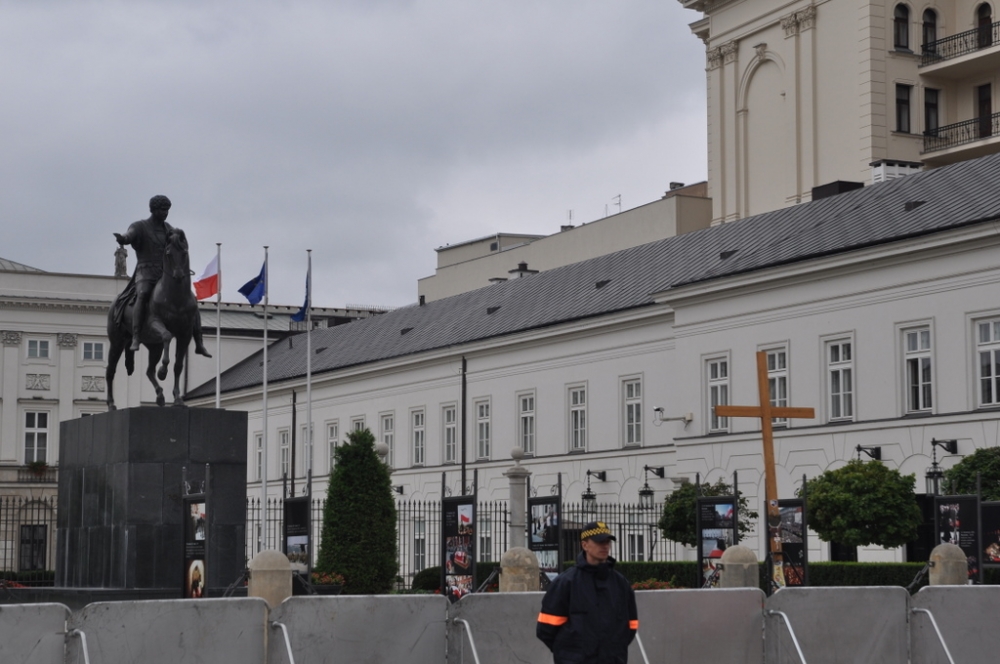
[[208, 283]]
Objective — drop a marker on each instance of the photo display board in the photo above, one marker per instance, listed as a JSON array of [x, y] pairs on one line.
[[195, 531], [957, 519], [717, 529], [990, 512], [794, 541], [297, 534], [544, 515], [458, 532]]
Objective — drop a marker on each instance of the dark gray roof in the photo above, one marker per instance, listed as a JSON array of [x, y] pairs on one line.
[[953, 196]]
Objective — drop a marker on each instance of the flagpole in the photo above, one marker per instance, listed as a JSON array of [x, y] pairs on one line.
[[263, 479], [218, 327], [309, 399]]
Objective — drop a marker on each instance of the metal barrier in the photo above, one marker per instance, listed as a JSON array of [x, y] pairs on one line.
[[83, 643], [791, 632], [472, 641], [288, 642], [936, 631], [33, 633]]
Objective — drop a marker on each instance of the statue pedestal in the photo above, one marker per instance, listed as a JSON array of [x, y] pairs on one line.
[[120, 519]]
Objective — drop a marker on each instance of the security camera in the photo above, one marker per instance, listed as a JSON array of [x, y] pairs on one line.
[[658, 409]]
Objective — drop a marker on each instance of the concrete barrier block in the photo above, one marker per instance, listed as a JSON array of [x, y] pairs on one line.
[[964, 615], [33, 633], [197, 631], [863, 625], [361, 628]]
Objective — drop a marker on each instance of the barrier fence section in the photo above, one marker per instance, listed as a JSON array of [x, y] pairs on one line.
[[27, 540]]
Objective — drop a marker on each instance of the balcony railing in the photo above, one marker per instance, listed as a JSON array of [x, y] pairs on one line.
[[962, 132], [31, 476], [960, 44]]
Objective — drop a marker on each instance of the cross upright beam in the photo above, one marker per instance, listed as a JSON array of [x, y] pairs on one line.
[[765, 412]]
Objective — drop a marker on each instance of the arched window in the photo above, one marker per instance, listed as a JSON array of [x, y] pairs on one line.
[[930, 31], [984, 21], [901, 27]]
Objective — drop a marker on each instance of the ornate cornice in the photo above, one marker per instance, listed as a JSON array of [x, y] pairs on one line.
[[66, 305], [790, 24], [799, 21], [714, 58], [66, 340], [10, 338], [729, 50], [761, 50]]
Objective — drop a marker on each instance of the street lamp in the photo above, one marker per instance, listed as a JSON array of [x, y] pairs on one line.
[[646, 501], [589, 498], [934, 474], [873, 451]]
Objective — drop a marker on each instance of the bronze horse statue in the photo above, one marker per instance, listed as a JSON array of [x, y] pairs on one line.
[[172, 315]]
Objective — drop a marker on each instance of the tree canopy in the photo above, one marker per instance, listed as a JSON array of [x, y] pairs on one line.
[[359, 520], [961, 479], [863, 503], [677, 520]]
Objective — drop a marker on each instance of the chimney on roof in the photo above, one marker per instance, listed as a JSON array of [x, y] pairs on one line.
[[521, 271], [422, 300], [676, 185], [566, 227], [497, 280], [834, 188]]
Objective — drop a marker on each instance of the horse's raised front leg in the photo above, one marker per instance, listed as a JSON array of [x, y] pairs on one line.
[[162, 373], [154, 357], [179, 357]]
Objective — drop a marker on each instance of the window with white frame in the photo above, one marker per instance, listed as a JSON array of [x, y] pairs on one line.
[[526, 422], [450, 434], [632, 395], [419, 544], [36, 436], [93, 351], [917, 358], [482, 409], [777, 381], [38, 349], [577, 419], [485, 539], [307, 446], [840, 379], [717, 373], [285, 451], [332, 443], [258, 447], [988, 350], [417, 436], [388, 436], [358, 423], [636, 547]]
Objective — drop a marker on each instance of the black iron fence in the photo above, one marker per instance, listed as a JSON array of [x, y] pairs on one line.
[[962, 132], [27, 540], [960, 44], [418, 531]]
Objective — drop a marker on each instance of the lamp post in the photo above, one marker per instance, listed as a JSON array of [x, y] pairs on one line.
[[589, 498], [873, 451], [934, 474], [646, 499]]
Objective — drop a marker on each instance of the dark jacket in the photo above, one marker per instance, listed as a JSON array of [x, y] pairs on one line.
[[588, 615]]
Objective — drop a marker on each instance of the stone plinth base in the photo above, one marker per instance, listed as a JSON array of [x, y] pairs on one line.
[[121, 513]]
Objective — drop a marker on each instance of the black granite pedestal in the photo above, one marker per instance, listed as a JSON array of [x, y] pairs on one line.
[[121, 510]]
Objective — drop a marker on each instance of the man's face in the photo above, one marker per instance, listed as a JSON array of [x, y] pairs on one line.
[[596, 552], [160, 214]]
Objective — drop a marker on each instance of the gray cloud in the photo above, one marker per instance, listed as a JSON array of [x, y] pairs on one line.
[[370, 132]]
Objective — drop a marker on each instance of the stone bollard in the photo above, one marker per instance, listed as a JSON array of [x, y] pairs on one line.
[[518, 477], [949, 566], [270, 577], [518, 571], [739, 568]]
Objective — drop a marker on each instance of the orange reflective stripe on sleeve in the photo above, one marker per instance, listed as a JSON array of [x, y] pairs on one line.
[[633, 624], [549, 619]]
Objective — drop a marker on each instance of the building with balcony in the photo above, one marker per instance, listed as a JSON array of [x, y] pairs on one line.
[[805, 94]]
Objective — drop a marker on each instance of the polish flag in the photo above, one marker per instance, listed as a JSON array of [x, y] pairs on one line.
[[208, 283]]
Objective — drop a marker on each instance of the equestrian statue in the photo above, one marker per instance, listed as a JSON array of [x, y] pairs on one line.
[[157, 305]]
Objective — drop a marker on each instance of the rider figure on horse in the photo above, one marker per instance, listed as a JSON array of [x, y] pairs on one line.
[[148, 238]]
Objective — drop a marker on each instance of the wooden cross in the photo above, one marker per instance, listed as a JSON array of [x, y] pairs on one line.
[[765, 411]]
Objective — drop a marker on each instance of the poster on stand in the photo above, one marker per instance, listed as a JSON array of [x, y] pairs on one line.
[[794, 545], [545, 532], [195, 529], [296, 533], [990, 512], [958, 524], [717, 531], [458, 530]]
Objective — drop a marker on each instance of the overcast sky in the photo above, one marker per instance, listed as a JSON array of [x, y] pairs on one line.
[[370, 131]]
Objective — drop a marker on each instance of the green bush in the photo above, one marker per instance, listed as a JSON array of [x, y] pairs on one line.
[[359, 520]]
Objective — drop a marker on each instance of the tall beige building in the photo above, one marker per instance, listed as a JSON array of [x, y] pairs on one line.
[[804, 94]]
